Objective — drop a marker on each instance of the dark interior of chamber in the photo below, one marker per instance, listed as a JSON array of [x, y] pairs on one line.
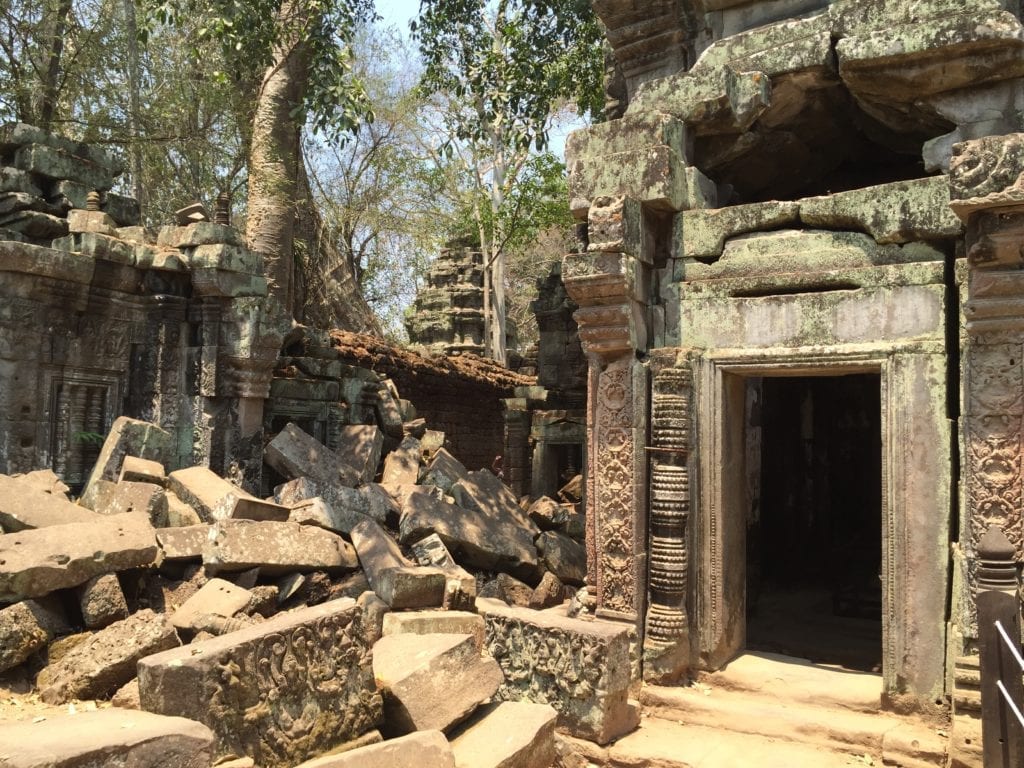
[[814, 536]]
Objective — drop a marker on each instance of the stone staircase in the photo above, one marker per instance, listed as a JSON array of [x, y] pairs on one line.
[[775, 711]]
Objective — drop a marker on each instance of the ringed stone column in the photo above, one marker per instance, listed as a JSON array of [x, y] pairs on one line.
[[987, 192], [609, 283]]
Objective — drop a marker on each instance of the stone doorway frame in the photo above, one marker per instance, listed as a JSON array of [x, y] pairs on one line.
[[916, 484]]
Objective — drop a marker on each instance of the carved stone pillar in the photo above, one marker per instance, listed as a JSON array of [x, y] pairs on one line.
[[666, 642], [987, 192], [609, 285]]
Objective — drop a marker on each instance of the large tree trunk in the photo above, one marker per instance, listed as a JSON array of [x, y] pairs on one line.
[[273, 161]]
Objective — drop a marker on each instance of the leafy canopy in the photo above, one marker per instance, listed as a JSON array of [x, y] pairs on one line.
[[249, 33]]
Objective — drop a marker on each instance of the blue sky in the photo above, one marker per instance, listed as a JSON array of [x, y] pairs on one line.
[[398, 12]]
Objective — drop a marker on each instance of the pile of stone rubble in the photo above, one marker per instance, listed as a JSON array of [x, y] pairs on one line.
[[421, 619], [43, 176]]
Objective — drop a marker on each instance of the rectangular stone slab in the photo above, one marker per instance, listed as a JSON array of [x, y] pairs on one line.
[[35, 563], [106, 737], [295, 453], [281, 692], [275, 548], [584, 675], [23, 507], [509, 734], [206, 492], [423, 749]]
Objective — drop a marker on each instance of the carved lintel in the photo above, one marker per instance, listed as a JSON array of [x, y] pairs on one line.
[[245, 377], [987, 173]]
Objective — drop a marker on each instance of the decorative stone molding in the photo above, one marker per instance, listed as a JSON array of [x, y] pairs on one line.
[[987, 173]]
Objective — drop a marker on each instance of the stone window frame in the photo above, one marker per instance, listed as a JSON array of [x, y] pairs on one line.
[[719, 619]]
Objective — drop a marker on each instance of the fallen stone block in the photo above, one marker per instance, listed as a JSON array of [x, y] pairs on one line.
[[127, 696], [475, 541], [396, 581], [432, 441], [347, 500], [382, 506], [423, 749], [27, 627], [44, 480], [275, 548], [549, 593], [444, 471], [402, 465], [97, 667], [512, 590], [180, 514], [138, 470], [460, 584], [584, 676], [24, 506], [509, 734], [331, 517], [435, 623], [388, 410], [216, 597], [361, 446], [184, 543], [564, 557], [106, 737], [482, 491], [431, 681], [246, 508], [102, 601], [280, 692], [129, 496], [35, 563], [548, 514], [127, 437], [293, 453], [211, 496]]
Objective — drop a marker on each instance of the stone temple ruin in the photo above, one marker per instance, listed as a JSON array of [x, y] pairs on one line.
[[796, 404]]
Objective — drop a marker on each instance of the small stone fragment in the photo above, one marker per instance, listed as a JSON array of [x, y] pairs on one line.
[[549, 593], [127, 696], [563, 557], [27, 627], [102, 601]]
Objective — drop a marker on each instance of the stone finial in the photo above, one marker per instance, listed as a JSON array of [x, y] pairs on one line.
[[191, 214], [92, 201], [222, 209], [997, 568]]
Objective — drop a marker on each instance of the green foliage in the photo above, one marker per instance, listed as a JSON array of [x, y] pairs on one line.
[[88, 438], [249, 32]]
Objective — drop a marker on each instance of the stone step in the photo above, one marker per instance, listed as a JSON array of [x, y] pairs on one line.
[[662, 743], [880, 735], [798, 680]]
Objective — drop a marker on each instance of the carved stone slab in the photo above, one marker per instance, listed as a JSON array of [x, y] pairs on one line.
[[280, 692], [987, 173], [581, 668]]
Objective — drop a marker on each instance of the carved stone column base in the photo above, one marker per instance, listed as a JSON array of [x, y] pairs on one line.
[[666, 663]]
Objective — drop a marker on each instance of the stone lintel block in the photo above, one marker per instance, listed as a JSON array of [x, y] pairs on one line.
[[91, 221], [294, 454], [901, 212], [361, 446], [207, 233], [210, 495], [27, 627], [57, 163], [138, 470], [216, 597], [220, 282], [423, 749], [654, 176], [402, 465], [436, 623], [431, 681], [228, 258], [128, 437], [508, 734], [184, 542], [15, 135], [585, 676], [648, 128], [35, 563], [101, 664], [25, 507], [106, 737], [275, 548], [314, 661], [35, 260], [923, 57], [616, 224], [701, 234]]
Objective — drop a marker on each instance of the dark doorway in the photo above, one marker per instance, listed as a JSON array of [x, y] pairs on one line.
[[814, 535]]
